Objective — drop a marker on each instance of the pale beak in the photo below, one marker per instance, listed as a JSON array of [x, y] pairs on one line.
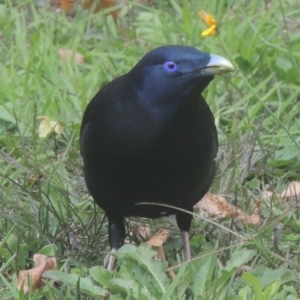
[[217, 65]]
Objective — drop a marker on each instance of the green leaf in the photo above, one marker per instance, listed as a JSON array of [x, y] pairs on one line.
[[285, 155], [86, 284], [131, 288], [239, 258], [271, 276], [205, 271], [174, 284], [187, 17], [255, 284], [49, 250], [271, 290], [6, 113], [223, 278], [284, 63], [124, 250], [143, 255], [245, 293], [101, 275]]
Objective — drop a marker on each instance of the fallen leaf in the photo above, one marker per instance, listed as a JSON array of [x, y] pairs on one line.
[[97, 5], [160, 236], [69, 55], [48, 127], [266, 195], [292, 191], [64, 5], [157, 241], [218, 206], [100, 5], [33, 276], [141, 233], [253, 219]]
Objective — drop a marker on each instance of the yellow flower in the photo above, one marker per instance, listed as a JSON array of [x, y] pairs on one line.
[[48, 127], [210, 21]]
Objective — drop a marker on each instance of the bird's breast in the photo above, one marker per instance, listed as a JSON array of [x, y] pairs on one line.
[[140, 159]]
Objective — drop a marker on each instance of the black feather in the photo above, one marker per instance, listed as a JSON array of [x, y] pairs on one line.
[[149, 136]]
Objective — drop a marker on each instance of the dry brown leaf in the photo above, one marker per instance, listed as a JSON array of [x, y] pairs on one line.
[[141, 233], [97, 5], [266, 194], [292, 191], [218, 206], [253, 219], [157, 241], [160, 236], [64, 5], [34, 276], [69, 55], [160, 253], [100, 4]]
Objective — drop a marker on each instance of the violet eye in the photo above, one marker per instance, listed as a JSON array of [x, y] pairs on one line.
[[170, 66]]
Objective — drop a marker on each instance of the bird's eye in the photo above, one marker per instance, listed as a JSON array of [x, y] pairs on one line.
[[170, 66]]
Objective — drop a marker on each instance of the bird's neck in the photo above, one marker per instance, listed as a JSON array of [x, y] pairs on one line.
[[162, 109]]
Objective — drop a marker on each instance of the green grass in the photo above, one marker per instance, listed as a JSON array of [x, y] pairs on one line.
[[45, 207]]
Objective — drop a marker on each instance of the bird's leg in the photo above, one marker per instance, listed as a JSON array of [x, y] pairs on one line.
[[111, 261], [186, 245], [116, 234], [184, 221]]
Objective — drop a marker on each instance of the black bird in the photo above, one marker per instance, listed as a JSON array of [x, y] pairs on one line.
[[149, 136]]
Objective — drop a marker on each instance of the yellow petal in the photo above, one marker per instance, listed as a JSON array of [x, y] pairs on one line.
[[47, 127], [210, 31], [208, 19], [57, 127]]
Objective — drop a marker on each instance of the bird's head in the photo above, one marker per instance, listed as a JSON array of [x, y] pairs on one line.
[[175, 70]]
